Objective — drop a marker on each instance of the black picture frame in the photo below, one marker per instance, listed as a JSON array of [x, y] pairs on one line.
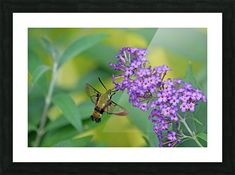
[[8, 7]]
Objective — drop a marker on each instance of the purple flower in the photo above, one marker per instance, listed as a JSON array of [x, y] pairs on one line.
[[184, 98], [153, 104], [135, 64], [178, 81], [162, 97], [164, 125], [191, 106], [171, 136], [128, 71], [183, 107], [166, 111], [147, 88], [188, 86], [174, 118], [144, 107]]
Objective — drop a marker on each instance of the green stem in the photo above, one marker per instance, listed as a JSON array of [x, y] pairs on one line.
[[193, 136], [43, 118]]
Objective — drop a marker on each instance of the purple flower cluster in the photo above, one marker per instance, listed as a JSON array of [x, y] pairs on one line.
[[173, 96], [147, 88]]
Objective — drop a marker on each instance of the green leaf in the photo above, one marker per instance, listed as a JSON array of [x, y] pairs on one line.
[[58, 123], [35, 109], [69, 109], [92, 77], [197, 121], [86, 109], [147, 33], [79, 46], [37, 73], [138, 117], [202, 136], [41, 87], [189, 77], [186, 42], [153, 139], [97, 54], [150, 134], [188, 143], [50, 48], [55, 136], [146, 140], [201, 114], [81, 142], [31, 127]]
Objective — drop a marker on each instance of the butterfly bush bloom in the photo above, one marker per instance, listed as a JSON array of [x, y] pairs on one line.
[[147, 89]]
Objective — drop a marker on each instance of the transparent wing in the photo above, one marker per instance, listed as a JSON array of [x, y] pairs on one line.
[[92, 93], [114, 108]]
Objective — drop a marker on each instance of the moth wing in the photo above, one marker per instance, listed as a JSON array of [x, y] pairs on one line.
[[116, 109], [92, 93]]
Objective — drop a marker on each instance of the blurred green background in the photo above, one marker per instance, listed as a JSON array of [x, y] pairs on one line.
[[176, 47]]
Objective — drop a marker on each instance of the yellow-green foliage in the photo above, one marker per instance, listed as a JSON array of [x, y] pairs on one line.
[[87, 66]]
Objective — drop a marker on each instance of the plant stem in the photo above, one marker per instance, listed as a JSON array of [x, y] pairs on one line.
[[43, 119], [193, 136]]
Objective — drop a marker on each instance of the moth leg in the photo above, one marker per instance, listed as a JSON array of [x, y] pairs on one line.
[[112, 95], [97, 120], [97, 98], [105, 109]]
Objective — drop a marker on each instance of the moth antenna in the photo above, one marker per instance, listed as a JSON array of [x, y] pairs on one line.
[[112, 94], [102, 83], [114, 91]]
